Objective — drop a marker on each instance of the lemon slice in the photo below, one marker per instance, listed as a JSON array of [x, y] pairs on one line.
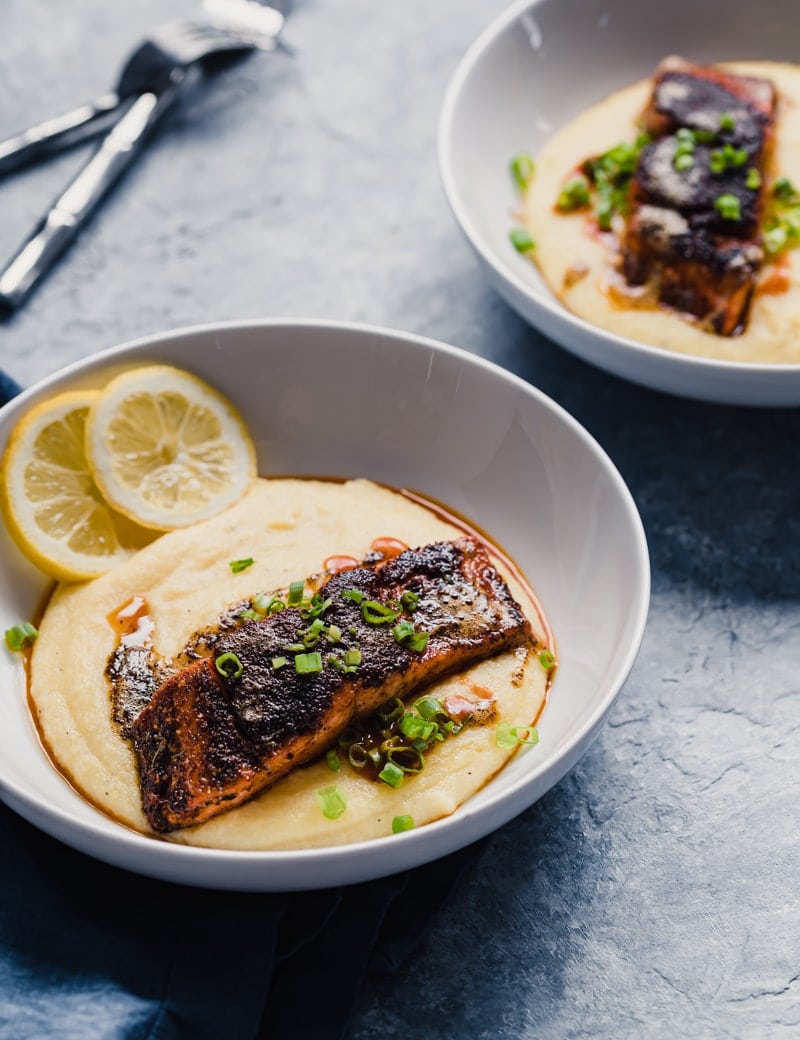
[[53, 508], [166, 449]]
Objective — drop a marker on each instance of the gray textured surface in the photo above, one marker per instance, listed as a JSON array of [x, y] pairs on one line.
[[654, 891]]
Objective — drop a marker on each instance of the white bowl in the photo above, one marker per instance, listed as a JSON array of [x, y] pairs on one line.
[[538, 65], [329, 399]]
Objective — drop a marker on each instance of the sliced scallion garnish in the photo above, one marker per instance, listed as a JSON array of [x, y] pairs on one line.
[[508, 736], [547, 659], [295, 595], [391, 775], [418, 642], [403, 630], [415, 727], [375, 613], [728, 206], [20, 636], [574, 195], [308, 664], [333, 761], [522, 170], [229, 666], [237, 566], [752, 180], [521, 240], [402, 823], [332, 802], [352, 657], [784, 189]]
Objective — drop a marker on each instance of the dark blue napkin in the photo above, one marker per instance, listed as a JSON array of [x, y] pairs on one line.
[[8, 388], [88, 950]]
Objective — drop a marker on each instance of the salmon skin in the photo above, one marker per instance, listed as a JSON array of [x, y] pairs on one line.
[[693, 231], [209, 740]]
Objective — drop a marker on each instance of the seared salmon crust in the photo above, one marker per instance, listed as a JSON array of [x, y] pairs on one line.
[[701, 255], [208, 741]]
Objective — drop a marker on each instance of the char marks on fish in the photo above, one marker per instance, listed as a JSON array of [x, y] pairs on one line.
[[206, 741], [693, 254]]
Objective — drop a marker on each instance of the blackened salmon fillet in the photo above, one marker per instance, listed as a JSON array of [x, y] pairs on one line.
[[224, 728], [693, 231]]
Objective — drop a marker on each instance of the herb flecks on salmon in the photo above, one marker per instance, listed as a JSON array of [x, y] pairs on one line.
[[278, 690]]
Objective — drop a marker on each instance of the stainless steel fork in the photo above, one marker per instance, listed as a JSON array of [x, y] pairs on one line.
[[148, 85], [176, 45]]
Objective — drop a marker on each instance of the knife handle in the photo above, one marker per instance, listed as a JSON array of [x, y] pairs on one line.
[[72, 209], [60, 132]]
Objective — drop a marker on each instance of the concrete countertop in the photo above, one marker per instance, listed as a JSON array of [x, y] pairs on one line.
[[653, 892]]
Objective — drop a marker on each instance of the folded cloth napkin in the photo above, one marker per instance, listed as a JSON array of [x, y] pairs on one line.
[[88, 950]]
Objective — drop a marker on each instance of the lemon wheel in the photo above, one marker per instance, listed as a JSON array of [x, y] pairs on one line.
[[166, 449], [53, 508]]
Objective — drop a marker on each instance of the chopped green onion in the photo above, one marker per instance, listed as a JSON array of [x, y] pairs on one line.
[[727, 121], [229, 666], [375, 613], [409, 601], [295, 595], [522, 170], [408, 759], [352, 658], [391, 711], [703, 136], [547, 659], [784, 189], [721, 159], [684, 149], [318, 605], [775, 239], [521, 240], [611, 174], [728, 207], [752, 179], [241, 565], [331, 802], [402, 823], [334, 633], [310, 635], [354, 595], [308, 664], [279, 662], [358, 756], [430, 708], [267, 604], [403, 630], [20, 636], [391, 775], [416, 728], [574, 195], [509, 736], [418, 642], [295, 648], [250, 615], [333, 760]]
